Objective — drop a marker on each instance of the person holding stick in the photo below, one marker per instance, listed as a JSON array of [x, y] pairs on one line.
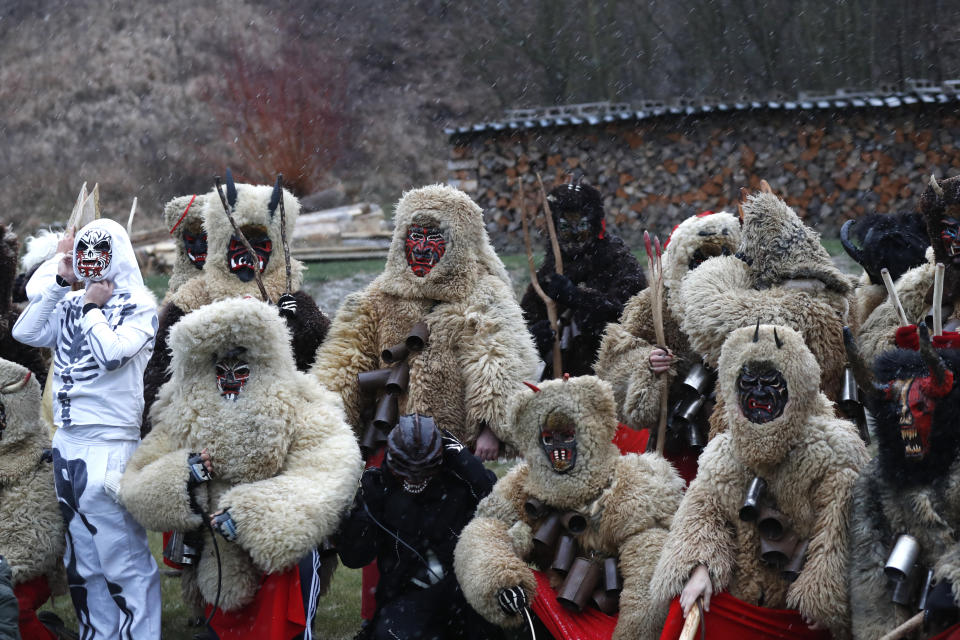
[[247, 215], [632, 356], [894, 323], [590, 279]]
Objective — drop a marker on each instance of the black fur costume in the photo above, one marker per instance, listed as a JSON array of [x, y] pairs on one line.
[[30, 357], [895, 496], [599, 276], [895, 241]]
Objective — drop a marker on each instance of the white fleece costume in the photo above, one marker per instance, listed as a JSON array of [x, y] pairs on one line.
[[99, 359]]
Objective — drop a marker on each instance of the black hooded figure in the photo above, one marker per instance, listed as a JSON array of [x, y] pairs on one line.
[[908, 495], [600, 275], [408, 515]]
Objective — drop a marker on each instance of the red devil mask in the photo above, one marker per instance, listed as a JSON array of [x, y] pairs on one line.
[[917, 399], [424, 248]]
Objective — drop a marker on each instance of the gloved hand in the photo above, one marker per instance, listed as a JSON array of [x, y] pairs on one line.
[[224, 524], [560, 288], [906, 337], [941, 597], [450, 442], [512, 600], [542, 335], [287, 305], [200, 468]]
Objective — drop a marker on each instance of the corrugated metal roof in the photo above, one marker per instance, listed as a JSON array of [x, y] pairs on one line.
[[576, 115]]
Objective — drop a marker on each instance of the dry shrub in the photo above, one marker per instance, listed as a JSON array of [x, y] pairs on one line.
[[285, 114]]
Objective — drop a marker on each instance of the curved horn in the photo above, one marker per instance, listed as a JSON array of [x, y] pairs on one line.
[[535, 388], [777, 339], [756, 332], [276, 195], [765, 187], [935, 186], [848, 246], [231, 189], [17, 385]]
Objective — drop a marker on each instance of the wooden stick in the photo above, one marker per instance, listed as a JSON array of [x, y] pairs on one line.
[[906, 628], [283, 236], [656, 307], [692, 623], [243, 239], [892, 292], [133, 211], [938, 300], [547, 300], [554, 243], [77, 210]]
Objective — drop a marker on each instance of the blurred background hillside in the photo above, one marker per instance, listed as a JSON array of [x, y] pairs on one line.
[[350, 97]]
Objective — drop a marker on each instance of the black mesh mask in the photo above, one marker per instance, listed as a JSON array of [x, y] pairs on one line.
[[414, 451]]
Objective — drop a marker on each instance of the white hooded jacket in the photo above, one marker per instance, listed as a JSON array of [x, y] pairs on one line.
[[99, 357]]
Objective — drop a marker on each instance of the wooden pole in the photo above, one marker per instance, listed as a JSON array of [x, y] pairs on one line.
[[894, 298], [656, 306], [691, 623], [547, 300], [938, 300], [283, 236], [906, 628], [551, 230]]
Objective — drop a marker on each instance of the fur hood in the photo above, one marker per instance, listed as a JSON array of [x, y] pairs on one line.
[[779, 247], [762, 445], [468, 255], [589, 402], [720, 229], [250, 435], [24, 438], [251, 209], [183, 213]]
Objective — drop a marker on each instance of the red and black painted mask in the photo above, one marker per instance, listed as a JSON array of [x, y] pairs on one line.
[[238, 258], [950, 237], [424, 248], [762, 393], [917, 399], [558, 439], [94, 253], [195, 245], [233, 372]]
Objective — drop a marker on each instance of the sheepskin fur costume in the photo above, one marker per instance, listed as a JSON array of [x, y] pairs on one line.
[[284, 459], [308, 326], [894, 497], [630, 501], [11, 349], [624, 357], [602, 273], [782, 275], [479, 348], [810, 462], [31, 527], [183, 213]]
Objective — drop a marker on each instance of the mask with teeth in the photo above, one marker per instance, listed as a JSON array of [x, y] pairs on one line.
[[424, 247], [238, 258], [916, 399], [195, 244], [93, 254], [558, 439], [233, 372], [950, 237], [762, 392]]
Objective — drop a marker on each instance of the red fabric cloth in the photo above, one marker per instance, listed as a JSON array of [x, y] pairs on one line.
[[953, 633], [276, 613], [732, 619], [370, 575], [590, 624], [907, 338], [30, 596], [635, 441]]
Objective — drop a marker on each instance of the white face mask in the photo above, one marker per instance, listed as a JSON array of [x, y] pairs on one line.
[[93, 254]]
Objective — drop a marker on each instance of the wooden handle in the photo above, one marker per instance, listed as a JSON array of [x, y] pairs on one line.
[[938, 300], [894, 298], [692, 623], [906, 628]]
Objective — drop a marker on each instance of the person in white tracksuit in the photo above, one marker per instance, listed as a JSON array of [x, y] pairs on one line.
[[102, 337]]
